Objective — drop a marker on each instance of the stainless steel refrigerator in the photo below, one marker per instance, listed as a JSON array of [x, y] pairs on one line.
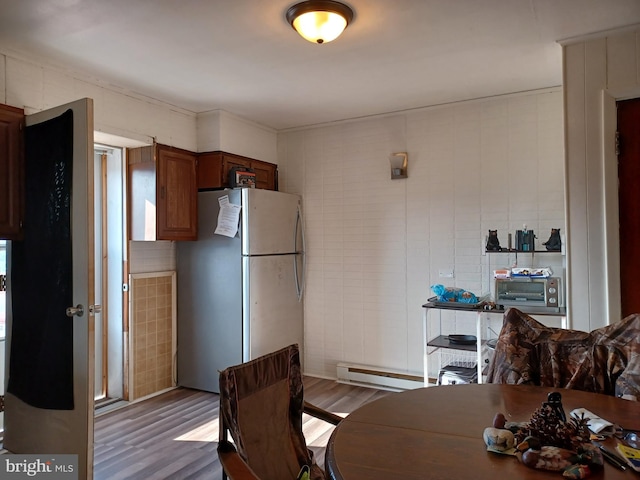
[[239, 297]]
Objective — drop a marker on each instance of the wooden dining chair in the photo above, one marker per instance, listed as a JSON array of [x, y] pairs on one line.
[[261, 407]]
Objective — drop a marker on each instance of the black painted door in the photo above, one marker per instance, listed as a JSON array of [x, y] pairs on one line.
[[50, 363]]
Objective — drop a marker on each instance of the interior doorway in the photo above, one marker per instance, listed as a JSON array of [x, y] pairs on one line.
[[628, 113], [110, 255]]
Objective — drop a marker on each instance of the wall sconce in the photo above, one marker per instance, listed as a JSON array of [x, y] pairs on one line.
[[398, 165]]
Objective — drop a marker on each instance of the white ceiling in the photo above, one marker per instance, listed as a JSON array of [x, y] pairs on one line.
[[243, 57]]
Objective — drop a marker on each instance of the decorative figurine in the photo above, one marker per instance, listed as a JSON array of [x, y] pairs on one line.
[[554, 400], [548, 441], [554, 244], [493, 244]]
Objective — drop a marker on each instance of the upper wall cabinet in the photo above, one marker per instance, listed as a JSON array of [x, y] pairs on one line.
[[213, 170], [162, 193], [11, 172]]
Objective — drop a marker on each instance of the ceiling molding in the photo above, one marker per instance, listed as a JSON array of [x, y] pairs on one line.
[[599, 35]]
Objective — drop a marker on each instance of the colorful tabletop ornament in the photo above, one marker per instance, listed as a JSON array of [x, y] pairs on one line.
[[548, 441]]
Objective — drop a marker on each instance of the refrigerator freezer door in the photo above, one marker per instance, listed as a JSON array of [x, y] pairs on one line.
[[269, 221], [271, 306]]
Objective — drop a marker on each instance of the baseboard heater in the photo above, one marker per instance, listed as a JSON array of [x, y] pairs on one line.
[[376, 377]]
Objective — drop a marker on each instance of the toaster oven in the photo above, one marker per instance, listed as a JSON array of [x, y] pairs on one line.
[[530, 292]]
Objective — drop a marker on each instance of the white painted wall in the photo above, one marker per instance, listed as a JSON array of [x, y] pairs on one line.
[[597, 71], [35, 86], [147, 257], [375, 245], [118, 115], [122, 118], [220, 130]]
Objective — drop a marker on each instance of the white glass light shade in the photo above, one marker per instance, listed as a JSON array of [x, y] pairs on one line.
[[320, 27], [319, 21]]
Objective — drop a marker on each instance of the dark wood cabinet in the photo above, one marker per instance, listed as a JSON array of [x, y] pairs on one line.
[[177, 211], [265, 175], [162, 193], [11, 172], [213, 170]]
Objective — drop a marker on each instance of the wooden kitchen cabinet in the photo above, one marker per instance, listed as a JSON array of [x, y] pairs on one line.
[[266, 175], [11, 172], [162, 193], [213, 170]]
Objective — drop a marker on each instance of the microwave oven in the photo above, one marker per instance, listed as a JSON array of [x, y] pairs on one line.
[[545, 292]]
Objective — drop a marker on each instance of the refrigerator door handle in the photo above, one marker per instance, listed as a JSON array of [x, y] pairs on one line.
[[299, 276]]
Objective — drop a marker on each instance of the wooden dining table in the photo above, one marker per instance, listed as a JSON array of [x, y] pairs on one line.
[[436, 432]]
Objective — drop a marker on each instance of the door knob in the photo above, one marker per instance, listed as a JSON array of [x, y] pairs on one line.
[[93, 309], [78, 310]]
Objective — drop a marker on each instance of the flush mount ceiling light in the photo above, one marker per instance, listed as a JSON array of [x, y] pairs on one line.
[[319, 21]]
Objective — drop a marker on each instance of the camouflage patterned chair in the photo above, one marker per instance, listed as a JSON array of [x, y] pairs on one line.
[[261, 406], [606, 360]]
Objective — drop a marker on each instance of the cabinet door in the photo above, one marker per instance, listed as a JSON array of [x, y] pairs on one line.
[[265, 174], [141, 193], [11, 172], [213, 170], [230, 161], [210, 171], [176, 194]]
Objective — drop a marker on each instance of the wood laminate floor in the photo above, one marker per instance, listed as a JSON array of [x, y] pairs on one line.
[[175, 435]]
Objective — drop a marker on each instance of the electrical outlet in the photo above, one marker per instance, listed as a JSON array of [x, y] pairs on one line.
[[445, 273]]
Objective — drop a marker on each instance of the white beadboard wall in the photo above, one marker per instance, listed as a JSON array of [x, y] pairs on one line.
[[220, 130], [148, 257], [598, 70], [33, 85], [375, 245]]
